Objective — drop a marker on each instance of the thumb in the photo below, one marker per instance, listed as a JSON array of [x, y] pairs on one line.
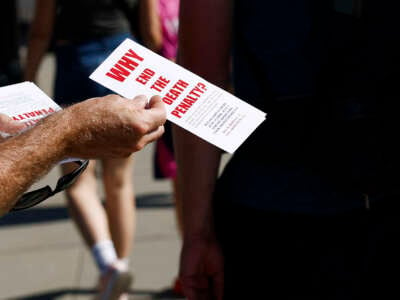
[[156, 108], [156, 103], [8, 125]]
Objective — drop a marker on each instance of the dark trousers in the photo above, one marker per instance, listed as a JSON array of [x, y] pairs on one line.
[[287, 256], [10, 73]]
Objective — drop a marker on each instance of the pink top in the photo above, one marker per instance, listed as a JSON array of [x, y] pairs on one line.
[[169, 16]]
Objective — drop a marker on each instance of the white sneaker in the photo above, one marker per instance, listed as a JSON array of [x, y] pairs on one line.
[[114, 283]]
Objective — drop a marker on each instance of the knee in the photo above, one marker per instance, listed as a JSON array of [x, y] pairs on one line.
[[82, 189], [116, 181]]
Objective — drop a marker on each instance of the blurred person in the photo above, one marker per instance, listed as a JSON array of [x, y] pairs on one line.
[[83, 34], [10, 68], [159, 26], [307, 208], [116, 128], [159, 20]]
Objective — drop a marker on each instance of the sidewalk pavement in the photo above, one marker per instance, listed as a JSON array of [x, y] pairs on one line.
[[42, 255]]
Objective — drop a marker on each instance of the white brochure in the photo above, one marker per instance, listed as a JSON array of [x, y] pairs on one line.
[[25, 102], [190, 101]]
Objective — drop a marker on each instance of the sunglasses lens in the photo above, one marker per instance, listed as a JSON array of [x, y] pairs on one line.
[[32, 198], [35, 197], [67, 180]]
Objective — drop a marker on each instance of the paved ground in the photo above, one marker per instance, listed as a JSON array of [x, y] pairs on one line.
[[42, 255]]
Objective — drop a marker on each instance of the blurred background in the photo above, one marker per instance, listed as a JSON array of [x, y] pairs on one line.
[[42, 256]]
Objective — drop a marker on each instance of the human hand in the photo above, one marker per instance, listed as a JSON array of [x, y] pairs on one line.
[[112, 126], [8, 125], [201, 269]]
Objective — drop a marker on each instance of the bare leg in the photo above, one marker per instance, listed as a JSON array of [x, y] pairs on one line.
[[85, 206], [120, 203]]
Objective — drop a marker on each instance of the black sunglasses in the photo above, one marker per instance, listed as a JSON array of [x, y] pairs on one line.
[[35, 197]]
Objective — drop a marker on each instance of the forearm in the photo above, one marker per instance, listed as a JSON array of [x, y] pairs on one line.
[[198, 164], [205, 39], [98, 128], [150, 28], [205, 27], [39, 36], [27, 157], [37, 49]]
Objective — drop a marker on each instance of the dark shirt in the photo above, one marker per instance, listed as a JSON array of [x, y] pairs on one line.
[[328, 83], [9, 60], [80, 20]]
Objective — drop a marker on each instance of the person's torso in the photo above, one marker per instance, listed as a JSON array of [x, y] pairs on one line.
[[327, 80], [169, 16], [89, 19], [10, 68], [8, 32]]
